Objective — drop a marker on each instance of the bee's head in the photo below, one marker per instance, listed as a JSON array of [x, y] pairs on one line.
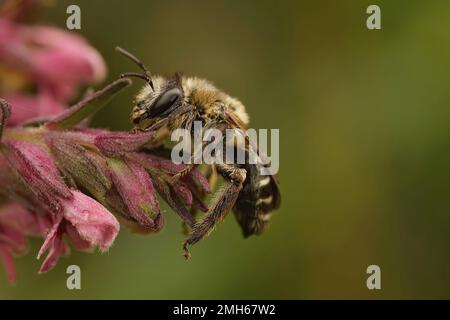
[[157, 99], [154, 105]]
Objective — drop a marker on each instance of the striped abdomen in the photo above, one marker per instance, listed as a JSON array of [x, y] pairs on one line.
[[259, 196]]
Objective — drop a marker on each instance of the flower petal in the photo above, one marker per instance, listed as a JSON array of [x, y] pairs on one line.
[[76, 240], [57, 249], [16, 241], [172, 168], [184, 193], [57, 60], [93, 222], [8, 261], [88, 169], [15, 216], [119, 143], [136, 190], [52, 233], [73, 46], [38, 171], [27, 107]]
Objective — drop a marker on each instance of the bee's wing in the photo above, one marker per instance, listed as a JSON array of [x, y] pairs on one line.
[[251, 145], [260, 194]]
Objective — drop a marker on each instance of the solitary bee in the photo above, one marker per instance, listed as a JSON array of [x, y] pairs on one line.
[[167, 103]]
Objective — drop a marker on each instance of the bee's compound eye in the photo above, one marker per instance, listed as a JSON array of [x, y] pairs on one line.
[[165, 101]]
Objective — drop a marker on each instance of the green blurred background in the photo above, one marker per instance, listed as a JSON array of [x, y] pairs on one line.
[[365, 149]]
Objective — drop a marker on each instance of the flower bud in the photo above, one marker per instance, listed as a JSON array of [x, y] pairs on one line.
[[38, 171], [136, 191]]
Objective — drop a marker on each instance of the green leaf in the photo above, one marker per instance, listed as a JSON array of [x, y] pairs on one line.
[[88, 106]]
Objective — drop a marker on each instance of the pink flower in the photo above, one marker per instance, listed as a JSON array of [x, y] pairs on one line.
[[86, 222], [33, 107], [136, 189], [16, 223], [38, 172], [56, 61], [65, 62], [46, 168], [92, 222], [60, 179]]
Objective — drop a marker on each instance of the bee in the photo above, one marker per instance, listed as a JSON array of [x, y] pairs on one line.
[[167, 103]]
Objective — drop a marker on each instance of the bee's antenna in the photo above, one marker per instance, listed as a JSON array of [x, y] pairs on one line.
[[146, 76]]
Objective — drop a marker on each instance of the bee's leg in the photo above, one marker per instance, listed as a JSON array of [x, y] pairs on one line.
[[221, 205], [189, 166], [5, 112], [175, 178]]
